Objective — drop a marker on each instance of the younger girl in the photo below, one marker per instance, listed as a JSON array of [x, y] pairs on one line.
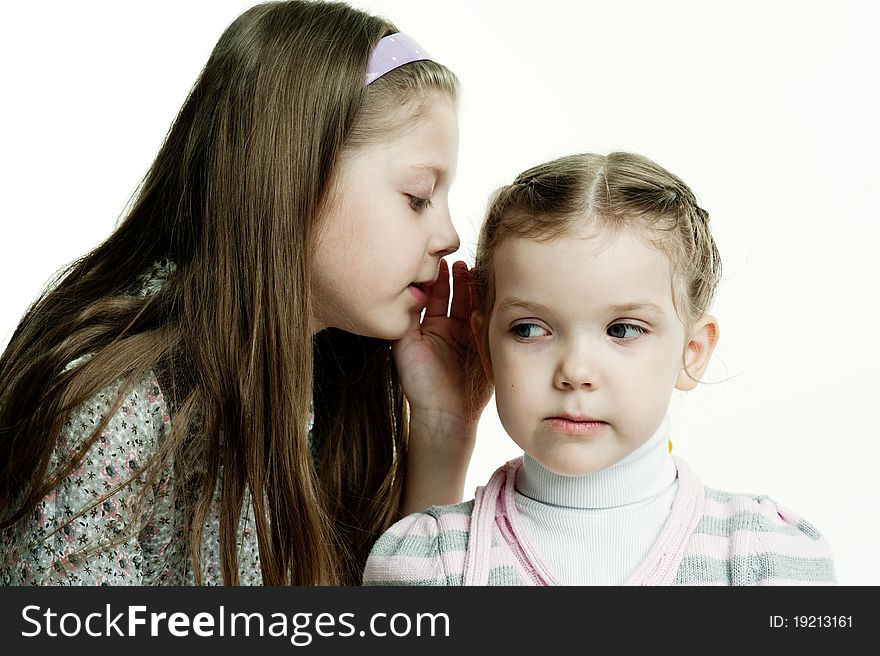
[[595, 276], [156, 405]]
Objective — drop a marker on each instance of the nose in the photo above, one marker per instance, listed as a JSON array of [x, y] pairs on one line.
[[576, 369], [444, 239]]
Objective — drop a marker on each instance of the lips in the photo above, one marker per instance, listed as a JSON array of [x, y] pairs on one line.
[[575, 425], [420, 292], [573, 417]]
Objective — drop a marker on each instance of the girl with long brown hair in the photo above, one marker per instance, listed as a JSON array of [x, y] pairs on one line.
[[238, 386]]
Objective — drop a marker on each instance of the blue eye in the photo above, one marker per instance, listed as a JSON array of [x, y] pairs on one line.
[[417, 203], [625, 331], [528, 330]]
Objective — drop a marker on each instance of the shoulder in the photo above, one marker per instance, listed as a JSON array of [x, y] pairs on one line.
[[425, 548], [745, 539], [728, 512], [136, 417], [153, 278]]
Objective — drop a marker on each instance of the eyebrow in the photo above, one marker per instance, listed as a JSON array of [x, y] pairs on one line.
[[621, 308], [636, 305], [512, 301], [438, 171]]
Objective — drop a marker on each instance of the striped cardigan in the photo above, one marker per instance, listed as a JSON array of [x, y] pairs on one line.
[[709, 538]]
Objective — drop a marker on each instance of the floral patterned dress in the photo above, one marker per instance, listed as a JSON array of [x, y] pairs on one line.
[[134, 536]]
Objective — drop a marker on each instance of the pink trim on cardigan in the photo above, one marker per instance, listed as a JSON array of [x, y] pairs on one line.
[[660, 566]]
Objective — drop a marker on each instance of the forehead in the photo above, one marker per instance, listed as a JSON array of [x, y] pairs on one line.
[[423, 139], [592, 267]]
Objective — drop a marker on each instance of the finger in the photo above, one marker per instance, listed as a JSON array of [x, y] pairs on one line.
[[438, 295], [462, 293]]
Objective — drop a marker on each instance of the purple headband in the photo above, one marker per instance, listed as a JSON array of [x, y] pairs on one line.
[[392, 52]]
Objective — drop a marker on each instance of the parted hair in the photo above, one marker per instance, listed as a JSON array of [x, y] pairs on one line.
[[616, 191], [233, 201]]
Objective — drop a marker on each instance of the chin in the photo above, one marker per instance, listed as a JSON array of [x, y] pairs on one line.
[[390, 330], [391, 336]]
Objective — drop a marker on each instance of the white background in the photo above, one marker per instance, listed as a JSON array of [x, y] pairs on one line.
[[767, 109]]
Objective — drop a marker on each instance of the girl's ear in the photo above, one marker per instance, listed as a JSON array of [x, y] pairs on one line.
[[478, 328], [697, 352]]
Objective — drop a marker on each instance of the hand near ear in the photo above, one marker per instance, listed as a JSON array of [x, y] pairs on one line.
[[437, 355], [446, 391]]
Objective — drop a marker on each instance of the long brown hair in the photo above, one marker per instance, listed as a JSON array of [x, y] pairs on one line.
[[232, 200]]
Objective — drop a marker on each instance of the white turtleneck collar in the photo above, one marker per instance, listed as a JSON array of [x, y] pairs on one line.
[[596, 529]]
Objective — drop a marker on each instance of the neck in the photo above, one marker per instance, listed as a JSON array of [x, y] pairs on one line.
[[641, 475]]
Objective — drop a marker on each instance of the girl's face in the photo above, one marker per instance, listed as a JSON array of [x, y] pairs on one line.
[[585, 346], [382, 237]]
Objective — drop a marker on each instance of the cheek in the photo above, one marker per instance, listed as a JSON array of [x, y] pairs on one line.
[[510, 411], [335, 248], [657, 380], [408, 240], [360, 226], [515, 383], [660, 364], [673, 362], [335, 263]]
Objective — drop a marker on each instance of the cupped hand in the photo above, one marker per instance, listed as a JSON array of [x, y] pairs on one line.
[[436, 358]]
